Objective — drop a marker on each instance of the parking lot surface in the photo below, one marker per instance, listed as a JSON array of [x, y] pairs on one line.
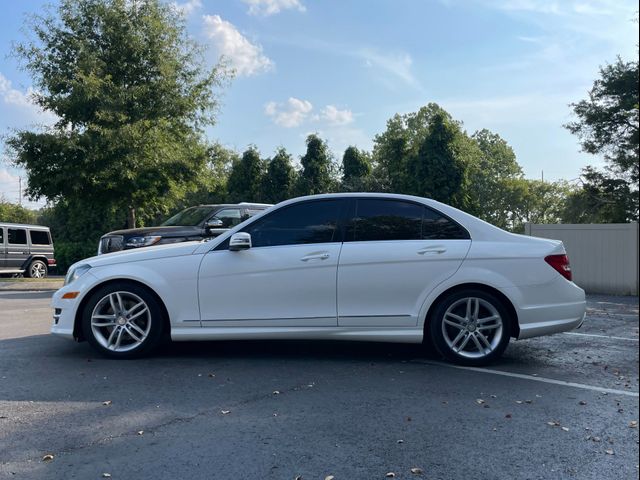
[[564, 406]]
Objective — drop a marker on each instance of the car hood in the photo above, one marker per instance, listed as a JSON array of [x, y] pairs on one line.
[[166, 232], [137, 255]]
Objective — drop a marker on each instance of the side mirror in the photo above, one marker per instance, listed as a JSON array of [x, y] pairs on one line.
[[214, 223], [240, 241]]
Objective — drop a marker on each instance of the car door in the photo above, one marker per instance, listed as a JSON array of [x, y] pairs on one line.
[[395, 253], [286, 278], [17, 248]]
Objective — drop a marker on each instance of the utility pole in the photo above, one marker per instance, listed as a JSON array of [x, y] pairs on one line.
[[20, 191], [542, 176]]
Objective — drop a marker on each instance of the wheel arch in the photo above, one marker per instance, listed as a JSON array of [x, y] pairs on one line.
[[77, 322], [513, 314], [33, 257]]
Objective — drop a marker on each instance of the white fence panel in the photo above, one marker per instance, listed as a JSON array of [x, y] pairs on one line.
[[604, 257]]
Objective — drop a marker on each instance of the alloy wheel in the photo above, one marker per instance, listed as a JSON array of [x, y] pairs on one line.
[[121, 321], [38, 270], [472, 327]]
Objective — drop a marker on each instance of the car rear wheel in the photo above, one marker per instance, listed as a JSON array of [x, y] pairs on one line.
[[123, 320], [37, 269], [470, 327]]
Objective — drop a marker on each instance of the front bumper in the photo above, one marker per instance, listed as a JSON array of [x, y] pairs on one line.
[[65, 309]]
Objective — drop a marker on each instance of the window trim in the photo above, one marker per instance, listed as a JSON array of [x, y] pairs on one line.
[[354, 211]]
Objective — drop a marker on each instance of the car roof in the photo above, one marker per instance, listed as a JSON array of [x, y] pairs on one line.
[[24, 225], [241, 204]]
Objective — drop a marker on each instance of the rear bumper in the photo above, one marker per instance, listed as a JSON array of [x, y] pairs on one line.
[[549, 327], [556, 307]]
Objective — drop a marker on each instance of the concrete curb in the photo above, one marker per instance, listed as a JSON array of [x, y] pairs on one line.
[[28, 286]]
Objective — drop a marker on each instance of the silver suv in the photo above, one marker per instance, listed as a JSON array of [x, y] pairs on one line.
[[26, 250]]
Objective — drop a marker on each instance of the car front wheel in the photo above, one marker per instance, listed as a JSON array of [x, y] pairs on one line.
[[123, 320], [470, 327]]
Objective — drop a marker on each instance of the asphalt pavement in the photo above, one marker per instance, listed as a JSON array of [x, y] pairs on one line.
[[564, 406]]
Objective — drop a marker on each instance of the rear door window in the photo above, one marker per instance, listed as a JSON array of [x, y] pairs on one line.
[[17, 236], [378, 219]]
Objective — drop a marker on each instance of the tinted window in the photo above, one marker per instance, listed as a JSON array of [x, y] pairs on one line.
[[385, 220], [230, 217], [189, 217], [1, 235], [39, 237], [438, 227], [17, 236], [309, 222]]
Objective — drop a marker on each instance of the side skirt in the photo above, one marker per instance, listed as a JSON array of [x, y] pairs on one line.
[[378, 334]]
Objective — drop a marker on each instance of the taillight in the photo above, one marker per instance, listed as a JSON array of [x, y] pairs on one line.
[[560, 264]]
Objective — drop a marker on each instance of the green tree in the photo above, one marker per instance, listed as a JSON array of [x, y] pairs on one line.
[[211, 185], [534, 201], [245, 179], [279, 181], [356, 168], [401, 141], [77, 227], [439, 170], [132, 98], [491, 189], [601, 199], [607, 124], [14, 213], [318, 171]]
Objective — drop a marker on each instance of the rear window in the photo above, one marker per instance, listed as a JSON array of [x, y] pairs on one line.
[[17, 236], [438, 227], [38, 237]]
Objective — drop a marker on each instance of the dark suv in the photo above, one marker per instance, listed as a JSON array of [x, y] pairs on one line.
[[194, 223], [25, 250]]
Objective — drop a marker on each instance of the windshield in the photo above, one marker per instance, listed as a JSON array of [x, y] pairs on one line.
[[190, 217]]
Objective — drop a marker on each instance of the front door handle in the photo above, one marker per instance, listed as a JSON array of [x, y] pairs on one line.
[[315, 256], [435, 250]]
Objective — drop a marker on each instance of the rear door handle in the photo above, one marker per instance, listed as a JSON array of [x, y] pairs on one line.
[[435, 250], [315, 256]]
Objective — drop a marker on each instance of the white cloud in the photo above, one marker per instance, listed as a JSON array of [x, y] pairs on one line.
[[19, 107], [291, 114], [188, 7], [245, 57], [8, 181], [554, 7], [397, 64], [271, 7], [11, 96], [335, 116]]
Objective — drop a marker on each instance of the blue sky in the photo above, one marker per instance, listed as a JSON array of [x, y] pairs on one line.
[[342, 68]]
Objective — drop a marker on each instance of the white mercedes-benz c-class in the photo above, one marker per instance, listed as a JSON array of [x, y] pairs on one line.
[[379, 267]]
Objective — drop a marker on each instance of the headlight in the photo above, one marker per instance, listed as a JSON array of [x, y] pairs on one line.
[[136, 242], [76, 272]]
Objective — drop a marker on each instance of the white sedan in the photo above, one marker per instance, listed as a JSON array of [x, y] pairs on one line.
[[377, 267]]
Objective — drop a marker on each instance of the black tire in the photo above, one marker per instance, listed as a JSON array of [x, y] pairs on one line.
[[471, 356], [37, 269], [156, 318]]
